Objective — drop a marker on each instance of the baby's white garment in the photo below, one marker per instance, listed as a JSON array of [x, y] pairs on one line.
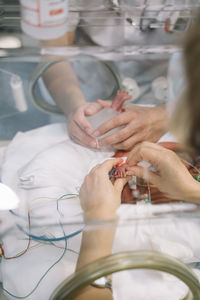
[[59, 165]]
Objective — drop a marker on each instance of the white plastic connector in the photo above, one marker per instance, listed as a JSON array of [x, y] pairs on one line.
[[18, 93], [160, 88], [131, 86]]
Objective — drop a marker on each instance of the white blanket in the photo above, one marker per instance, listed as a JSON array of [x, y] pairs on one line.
[[46, 163]]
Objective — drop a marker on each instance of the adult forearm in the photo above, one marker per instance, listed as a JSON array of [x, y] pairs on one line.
[[63, 85], [60, 78], [95, 244]]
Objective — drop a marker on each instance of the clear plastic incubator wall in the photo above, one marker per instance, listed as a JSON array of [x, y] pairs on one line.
[[49, 249]]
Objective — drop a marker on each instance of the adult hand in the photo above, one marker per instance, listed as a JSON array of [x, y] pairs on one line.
[[139, 124], [170, 176], [99, 197], [79, 128]]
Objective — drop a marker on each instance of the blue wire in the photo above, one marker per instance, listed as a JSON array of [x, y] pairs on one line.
[[15, 214], [21, 216], [65, 195], [65, 238], [39, 238], [111, 173], [43, 276]]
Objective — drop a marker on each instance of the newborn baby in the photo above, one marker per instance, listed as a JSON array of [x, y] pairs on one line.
[[139, 190]]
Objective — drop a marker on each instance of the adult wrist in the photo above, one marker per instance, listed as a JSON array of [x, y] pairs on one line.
[[70, 111], [192, 193], [162, 111], [100, 215], [162, 117]]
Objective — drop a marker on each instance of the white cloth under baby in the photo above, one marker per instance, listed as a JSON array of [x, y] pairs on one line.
[[60, 165], [174, 236], [45, 162]]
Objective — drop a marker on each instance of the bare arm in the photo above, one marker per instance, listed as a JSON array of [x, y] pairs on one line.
[[61, 80], [95, 244], [100, 199], [63, 86]]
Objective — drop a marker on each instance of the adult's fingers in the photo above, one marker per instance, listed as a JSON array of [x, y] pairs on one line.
[[92, 108], [104, 103], [81, 137], [86, 142], [120, 183], [146, 174], [81, 113], [129, 143], [145, 151], [82, 122], [118, 137], [107, 165], [115, 122]]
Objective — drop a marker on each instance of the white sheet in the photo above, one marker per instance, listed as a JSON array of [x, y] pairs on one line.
[[45, 162]]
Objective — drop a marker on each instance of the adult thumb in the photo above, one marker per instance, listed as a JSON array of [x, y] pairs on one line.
[[120, 183]]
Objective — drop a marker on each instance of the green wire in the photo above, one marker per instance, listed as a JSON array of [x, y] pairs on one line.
[[43, 276], [65, 195], [197, 177]]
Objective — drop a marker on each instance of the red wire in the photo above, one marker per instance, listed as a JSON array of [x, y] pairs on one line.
[[28, 245], [24, 251]]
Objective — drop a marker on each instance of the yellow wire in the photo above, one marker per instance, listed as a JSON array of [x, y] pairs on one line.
[[50, 198]]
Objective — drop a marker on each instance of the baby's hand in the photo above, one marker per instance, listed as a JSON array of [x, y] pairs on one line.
[[121, 170]]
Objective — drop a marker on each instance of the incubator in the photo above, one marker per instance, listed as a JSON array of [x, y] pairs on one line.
[[113, 45]]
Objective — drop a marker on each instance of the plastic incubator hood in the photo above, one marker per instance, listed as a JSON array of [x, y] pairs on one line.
[[8, 199]]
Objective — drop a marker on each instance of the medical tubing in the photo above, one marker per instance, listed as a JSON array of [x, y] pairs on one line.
[[43, 66], [8, 72], [126, 261], [21, 216], [43, 276], [65, 195], [40, 238], [64, 237]]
